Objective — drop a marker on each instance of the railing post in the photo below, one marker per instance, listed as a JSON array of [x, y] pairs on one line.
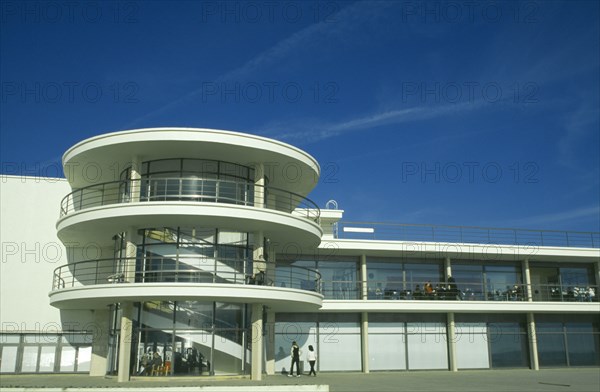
[[73, 275], [567, 235], [97, 266], [215, 271]]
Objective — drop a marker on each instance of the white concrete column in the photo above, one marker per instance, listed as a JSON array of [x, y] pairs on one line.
[[99, 360], [125, 339], [257, 342], [448, 266], [131, 241], [597, 268], [451, 333], [533, 350], [134, 179], [270, 342], [527, 278], [364, 277], [259, 185], [364, 339]]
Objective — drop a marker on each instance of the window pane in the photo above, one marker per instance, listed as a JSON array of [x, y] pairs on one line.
[[584, 349], [84, 358], [551, 349], [30, 358], [9, 359], [509, 350], [47, 358], [7, 338], [67, 359]]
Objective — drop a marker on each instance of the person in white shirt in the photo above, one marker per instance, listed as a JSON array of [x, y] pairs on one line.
[[311, 356]]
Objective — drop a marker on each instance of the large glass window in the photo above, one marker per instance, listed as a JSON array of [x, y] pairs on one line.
[[193, 254], [573, 283], [480, 281], [45, 353], [400, 279], [196, 179], [193, 338], [508, 344], [339, 277], [572, 340]]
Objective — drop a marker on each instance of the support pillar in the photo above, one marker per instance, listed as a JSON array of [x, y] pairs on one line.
[[125, 338], [448, 267], [364, 277], [533, 350], [451, 333], [99, 360], [135, 183], [130, 255], [527, 277], [270, 342], [364, 339], [257, 342]]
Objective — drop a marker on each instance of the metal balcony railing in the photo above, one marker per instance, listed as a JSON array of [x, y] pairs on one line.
[[459, 291], [158, 269], [466, 234], [189, 189]]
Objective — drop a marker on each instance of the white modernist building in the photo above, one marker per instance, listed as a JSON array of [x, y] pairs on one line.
[[178, 251]]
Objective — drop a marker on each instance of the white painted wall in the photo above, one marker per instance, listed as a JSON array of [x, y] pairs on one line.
[[29, 209]]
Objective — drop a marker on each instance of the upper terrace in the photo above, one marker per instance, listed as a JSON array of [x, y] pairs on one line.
[[464, 234]]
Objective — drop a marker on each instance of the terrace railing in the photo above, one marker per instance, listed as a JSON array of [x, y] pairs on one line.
[[189, 190], [158, 269], [466, 234]]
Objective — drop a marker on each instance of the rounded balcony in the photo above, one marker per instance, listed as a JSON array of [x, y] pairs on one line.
[[107, 207], [102, 158], [101, 282]]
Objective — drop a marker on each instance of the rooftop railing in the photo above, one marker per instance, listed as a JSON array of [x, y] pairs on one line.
[[157, 269], [188, 189], [466, 234]]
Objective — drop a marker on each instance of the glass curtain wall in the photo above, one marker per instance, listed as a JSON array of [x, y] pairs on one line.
[[196, 254], [479, 281], [45, 353], [389, 278], [191, 338], [339, 277], [490, 341], [572, 340]]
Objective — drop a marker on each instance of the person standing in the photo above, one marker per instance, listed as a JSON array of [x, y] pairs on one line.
[[295, 353], [312, 359]]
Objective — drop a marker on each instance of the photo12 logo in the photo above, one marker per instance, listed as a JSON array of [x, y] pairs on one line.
[[69, 12]]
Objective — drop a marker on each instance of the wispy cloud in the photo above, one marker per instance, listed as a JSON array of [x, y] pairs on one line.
[[587, 213], [311, 131], [345, 19]]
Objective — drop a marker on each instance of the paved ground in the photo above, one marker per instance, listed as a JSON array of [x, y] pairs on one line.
[[567, 380]]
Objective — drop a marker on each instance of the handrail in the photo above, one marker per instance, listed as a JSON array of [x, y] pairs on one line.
[[460, 290], [193, 269], [467, 234], [187, 189]]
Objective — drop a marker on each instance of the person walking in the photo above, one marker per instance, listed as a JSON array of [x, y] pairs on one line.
[[311, 356], [295, 353]]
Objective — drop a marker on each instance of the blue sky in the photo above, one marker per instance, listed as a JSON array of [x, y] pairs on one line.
[[457, 113]]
